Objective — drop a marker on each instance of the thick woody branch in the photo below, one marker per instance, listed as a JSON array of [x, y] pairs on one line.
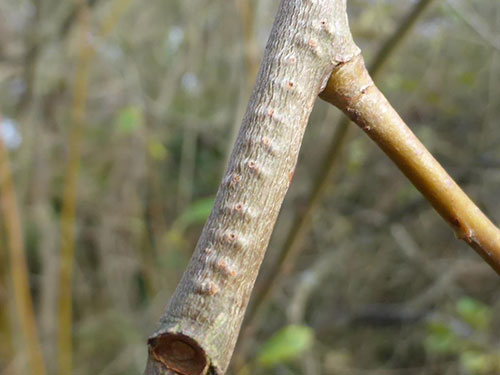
[[199, 329], [351, 89], [293, 244], [309, 39]]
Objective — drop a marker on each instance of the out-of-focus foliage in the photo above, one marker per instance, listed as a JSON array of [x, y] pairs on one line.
[[129, 120], [168, 88], [285, 345], [196, 213], [465, 337]]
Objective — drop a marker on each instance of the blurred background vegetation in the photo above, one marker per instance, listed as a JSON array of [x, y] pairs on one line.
[[116, 119]]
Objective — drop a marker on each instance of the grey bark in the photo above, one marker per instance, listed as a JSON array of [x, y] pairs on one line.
[[200, 326]]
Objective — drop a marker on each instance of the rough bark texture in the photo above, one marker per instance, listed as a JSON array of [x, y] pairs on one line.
[[298, 233], [198, 331], [351, 89]]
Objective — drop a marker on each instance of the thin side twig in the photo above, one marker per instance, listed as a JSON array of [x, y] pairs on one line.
[[18, 265], [351, 89]]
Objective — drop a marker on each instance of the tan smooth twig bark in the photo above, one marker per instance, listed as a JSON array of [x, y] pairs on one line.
[[351, 89], [18, 266]]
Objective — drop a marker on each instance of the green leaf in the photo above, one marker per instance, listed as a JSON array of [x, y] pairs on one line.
[[441, 339], [129, 120], [157, 150], [475, 363], [468, 78], [197, 213], [287, 344], [474, 313]]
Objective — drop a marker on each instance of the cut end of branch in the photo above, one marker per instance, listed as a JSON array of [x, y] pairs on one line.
[[179, 353]]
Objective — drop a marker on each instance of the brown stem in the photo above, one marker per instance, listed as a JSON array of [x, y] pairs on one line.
[[6, 317], [199, 329], [72, 16], [18, 265], [351, 89], [68, 212], [30, 61]]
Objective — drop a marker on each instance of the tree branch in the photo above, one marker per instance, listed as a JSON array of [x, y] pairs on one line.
[[19, 265], [351, 89], [300, 228], [199, 329]]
